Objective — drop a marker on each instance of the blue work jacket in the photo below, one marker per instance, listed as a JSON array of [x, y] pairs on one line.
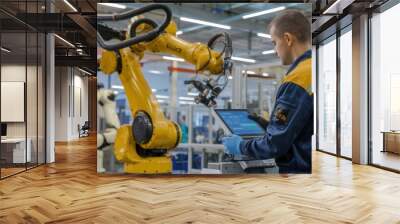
[[288, 134]]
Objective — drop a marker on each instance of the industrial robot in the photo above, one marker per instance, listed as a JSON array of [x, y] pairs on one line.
[[143, 145]]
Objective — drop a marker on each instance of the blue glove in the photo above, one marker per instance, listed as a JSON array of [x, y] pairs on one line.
[[232, 144]]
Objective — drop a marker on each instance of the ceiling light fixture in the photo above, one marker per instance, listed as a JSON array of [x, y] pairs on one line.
[[162, 96], [5, 49], [70, 5], [264, 35], [328, 10], [205, 23], [265, 74], [179, 32], [173, 58], [186, 102], [268, 52], [186, 98], [250, 72], [155, 72], [84, 71], [263, 12], [243, 59], [65, 41], [117, 87], [114, 5]]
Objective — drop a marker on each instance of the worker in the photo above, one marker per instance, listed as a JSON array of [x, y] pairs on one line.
[[184, 129], [289, 131]]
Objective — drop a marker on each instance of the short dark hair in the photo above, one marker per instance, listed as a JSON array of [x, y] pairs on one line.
[[293, 22]]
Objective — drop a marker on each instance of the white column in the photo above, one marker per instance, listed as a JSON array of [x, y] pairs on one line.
[[174, 93], [360, 90], [190, 135], [236, 87], [50, 100]]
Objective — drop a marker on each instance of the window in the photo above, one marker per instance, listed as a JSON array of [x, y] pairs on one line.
[[22, 77], [346, 93], [327, 96], [385, 89]]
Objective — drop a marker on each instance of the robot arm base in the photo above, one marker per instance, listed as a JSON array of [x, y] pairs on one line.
[[125, 149]]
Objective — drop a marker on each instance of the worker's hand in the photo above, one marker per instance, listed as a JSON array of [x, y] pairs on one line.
[[260, 120], [232, 144]]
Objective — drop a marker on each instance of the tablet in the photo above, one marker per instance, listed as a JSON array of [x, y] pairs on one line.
[[236, 122]]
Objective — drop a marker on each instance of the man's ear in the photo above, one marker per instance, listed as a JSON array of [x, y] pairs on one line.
[[288, 38]]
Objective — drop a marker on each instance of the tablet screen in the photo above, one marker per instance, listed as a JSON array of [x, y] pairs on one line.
[[238, 123]]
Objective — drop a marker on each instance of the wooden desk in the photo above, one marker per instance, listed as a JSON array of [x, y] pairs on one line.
[[391, 141]]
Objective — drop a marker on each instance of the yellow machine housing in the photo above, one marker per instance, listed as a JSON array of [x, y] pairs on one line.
[[143, 151]]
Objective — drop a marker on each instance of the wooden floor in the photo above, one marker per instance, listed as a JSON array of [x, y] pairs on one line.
[[10, 171], [387, 159], [70, 191]]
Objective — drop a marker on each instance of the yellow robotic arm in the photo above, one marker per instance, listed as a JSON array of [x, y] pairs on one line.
[[142, 146]]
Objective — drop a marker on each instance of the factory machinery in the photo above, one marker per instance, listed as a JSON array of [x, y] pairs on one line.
[[143, 145]]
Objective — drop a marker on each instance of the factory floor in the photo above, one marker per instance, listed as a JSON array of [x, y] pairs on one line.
[[70, 191]]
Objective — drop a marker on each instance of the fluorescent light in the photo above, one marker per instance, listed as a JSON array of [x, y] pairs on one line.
[[192, 94], [179, 32], [162, 96], [230, 77], [173, 58], [117, 87], [85, 71], [186, 98], [265, 74], [70, 5], [205, 23], [116, 92], [264, 35], [155, 72], [268, 52], [5, 50], [153, 90], [114, 5], [161, 101], [263, 12], [331, 7], [186, 102], [243, 59], [251, 72], [65, 41]]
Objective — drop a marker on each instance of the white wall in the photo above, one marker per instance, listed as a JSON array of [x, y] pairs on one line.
[[61, 103], [71, 94], [14, 73], [81, 94], [33, 126]]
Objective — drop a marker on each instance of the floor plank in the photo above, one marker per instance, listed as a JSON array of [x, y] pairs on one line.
[[70, 191]]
